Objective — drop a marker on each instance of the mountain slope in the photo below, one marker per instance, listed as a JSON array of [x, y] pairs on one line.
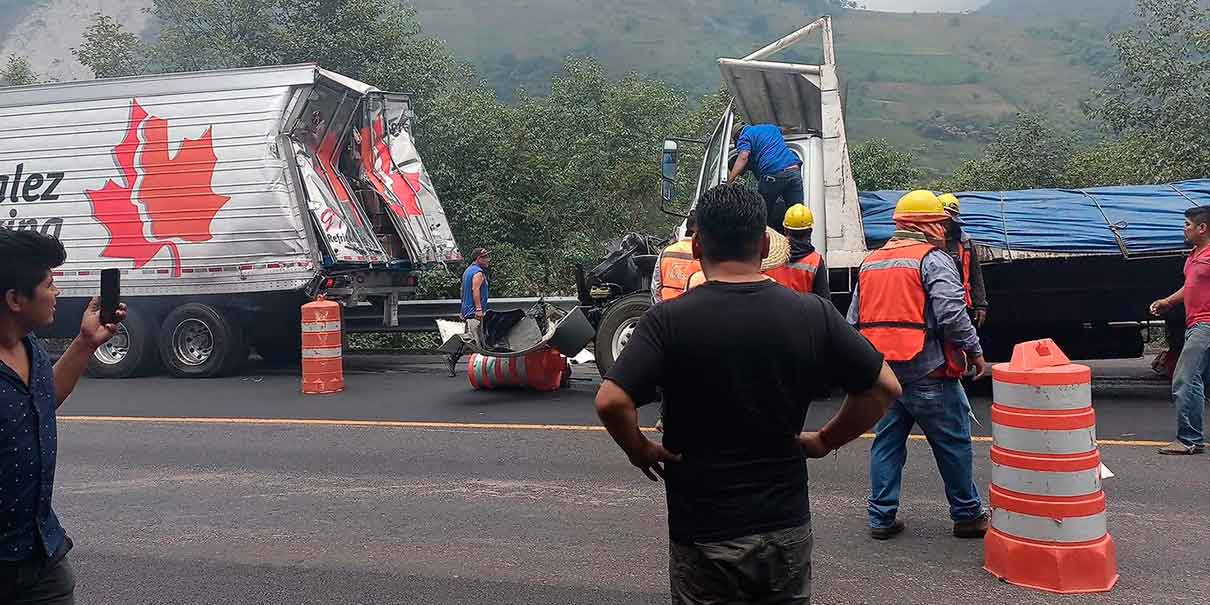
[[937, 83]]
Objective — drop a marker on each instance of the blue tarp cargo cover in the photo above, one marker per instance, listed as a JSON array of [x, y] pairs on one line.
[[1134, 220]]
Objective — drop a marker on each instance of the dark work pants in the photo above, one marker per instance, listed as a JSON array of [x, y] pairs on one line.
[[780, 191], [768, 568], [37, 581]]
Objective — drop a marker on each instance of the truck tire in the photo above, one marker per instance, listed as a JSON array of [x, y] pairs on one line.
[[200, 341], [131, 352], [616, 327]]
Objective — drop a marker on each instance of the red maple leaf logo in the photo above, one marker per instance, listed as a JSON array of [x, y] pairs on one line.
[[403, 184], [174, 192]]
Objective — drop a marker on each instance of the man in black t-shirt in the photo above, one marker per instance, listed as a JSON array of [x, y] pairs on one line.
[[739, 359]]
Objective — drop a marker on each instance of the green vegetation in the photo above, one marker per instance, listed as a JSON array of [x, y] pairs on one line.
[[17, 72], [544, 179], [1153, 115], [899, 68], [541, 181]]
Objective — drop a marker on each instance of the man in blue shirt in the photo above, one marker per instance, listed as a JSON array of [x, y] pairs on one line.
[[777, 169], [33, 546], [474, 300]]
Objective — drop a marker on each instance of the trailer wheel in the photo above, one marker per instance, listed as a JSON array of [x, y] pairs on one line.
[[616, 327], [131, 352], [200, 341]]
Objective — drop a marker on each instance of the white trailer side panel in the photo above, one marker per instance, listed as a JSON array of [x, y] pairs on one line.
[[180, 181]]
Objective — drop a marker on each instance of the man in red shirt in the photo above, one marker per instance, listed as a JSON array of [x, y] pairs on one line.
[[1193, 368]]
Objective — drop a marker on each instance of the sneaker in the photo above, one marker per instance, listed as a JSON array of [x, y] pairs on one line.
[[1176, 448], [972, 528], [886, 533]]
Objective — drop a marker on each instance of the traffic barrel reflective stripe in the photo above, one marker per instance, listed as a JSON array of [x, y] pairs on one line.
[[1044, 431], [1049, 529], [1042, 397], [1049, 519], [1040, 474], [322, 367]]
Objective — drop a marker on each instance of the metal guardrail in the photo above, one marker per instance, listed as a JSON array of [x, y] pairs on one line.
[[421, 315]]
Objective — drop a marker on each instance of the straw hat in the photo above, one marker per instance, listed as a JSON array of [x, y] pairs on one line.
[[779, 251]]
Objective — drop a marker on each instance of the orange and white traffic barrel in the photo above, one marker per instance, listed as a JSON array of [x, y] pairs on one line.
[[1048, 509], [322, 370], [540, 370]]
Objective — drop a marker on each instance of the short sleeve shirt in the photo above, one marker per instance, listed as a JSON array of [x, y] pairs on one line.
[[738, 365], [767, 146], [28, 448], [1197, 287]]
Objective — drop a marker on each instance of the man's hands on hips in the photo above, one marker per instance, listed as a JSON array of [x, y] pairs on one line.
[[93, 332], [980, 365], [813, 445], [650, 457], [980, 317]]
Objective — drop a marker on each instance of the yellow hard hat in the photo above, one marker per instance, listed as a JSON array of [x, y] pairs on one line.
[[919, 204], [950, 202], [798, 218]]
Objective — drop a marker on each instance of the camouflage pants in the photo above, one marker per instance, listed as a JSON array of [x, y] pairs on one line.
[[768, 568]]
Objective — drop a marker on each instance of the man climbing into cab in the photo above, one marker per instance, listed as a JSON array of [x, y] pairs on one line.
[[763, 148]]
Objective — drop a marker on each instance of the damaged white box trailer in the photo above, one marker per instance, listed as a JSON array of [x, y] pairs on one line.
[[227, 199]]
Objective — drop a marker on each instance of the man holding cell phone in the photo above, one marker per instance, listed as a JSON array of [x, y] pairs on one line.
[[33, 546]]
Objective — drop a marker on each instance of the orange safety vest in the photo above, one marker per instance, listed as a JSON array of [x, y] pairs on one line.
[[798, 275], [892, 301], [676, 265]]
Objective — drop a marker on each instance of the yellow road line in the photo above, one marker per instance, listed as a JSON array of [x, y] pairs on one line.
[[423, 424]]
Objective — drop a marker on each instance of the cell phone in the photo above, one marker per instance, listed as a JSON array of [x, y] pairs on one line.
[[111, 291]]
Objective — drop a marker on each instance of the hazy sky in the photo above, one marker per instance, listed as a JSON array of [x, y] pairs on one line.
[[908, 6]]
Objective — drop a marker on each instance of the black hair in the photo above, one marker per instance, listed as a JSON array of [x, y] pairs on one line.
[[691, 222], [1198, 215], [731, 223], [737, 130], [28, 257]]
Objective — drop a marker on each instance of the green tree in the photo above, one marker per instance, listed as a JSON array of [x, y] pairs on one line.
[[375, 41], [1029, 153], [1157, 103], [17, 72], [879, 165], [109, 50], [545, 181], [542, 182]]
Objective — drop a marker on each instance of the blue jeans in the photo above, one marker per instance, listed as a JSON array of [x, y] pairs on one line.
[[941, 409], [1189, 385]]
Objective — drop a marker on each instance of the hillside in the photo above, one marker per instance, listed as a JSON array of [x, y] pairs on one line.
[[938, 83]]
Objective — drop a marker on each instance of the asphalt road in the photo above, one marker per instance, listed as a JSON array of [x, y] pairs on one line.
[[228, 511]]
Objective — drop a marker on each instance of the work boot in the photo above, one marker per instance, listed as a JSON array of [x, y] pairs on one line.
[[1176, 448], [886, 533], [972, 528], [451, 365]]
